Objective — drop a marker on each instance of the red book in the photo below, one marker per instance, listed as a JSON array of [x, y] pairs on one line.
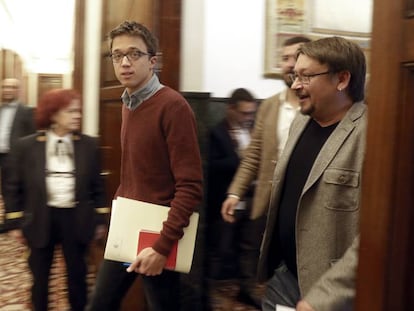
[[147, 238]]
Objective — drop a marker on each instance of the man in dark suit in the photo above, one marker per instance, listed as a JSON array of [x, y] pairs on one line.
[[16, 120], [227, 143]]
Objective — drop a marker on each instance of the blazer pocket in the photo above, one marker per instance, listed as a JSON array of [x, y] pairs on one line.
[[342, 189]]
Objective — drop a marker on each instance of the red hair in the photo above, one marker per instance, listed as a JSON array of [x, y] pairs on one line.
[[51, 102]]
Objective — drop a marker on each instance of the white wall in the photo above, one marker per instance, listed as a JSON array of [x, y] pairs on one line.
[[223, 47]]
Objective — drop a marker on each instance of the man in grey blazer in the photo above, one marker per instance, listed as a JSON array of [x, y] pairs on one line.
[[314, 206]]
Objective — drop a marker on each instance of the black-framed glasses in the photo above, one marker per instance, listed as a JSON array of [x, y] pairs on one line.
[[132, 55], [305, 78]]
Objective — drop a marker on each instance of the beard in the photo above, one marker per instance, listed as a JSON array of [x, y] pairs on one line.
[[307, 109], [287, 80]]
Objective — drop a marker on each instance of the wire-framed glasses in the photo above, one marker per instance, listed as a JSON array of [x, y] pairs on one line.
[[305, 78], [131, 55]]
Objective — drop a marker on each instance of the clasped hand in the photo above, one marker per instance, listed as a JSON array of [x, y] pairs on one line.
[[148, 262]]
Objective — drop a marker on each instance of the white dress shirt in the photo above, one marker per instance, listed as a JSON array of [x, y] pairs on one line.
[[7, 114], [60, 171], [286, 115]]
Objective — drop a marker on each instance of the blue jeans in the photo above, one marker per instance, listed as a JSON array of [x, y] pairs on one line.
[[282, 289], [162, 291]]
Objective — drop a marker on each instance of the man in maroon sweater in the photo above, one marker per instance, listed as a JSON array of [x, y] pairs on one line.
[[160, 164]]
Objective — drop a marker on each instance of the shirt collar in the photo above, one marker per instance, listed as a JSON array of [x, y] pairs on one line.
[[52, 137], [11, 104], [283, 100], [135, 99]]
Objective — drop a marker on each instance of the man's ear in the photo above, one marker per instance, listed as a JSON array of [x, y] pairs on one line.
[[343, 80]]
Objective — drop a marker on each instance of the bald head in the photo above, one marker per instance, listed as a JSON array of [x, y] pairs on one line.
[[10, 88]]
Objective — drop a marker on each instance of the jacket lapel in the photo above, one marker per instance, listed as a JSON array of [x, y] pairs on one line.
[[332, 145], [39, 154], [78, 156]]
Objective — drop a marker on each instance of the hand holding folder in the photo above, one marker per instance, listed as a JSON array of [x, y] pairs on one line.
[[147, 238], [135, 225]]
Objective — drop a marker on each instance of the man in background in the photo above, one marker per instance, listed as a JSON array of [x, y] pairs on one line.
[[16, 120], [267, 141], [228, 258]]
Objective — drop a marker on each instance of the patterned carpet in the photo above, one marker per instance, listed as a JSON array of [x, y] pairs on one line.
[[15, 282], [15, 278]]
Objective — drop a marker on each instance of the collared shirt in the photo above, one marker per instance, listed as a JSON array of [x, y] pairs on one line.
[[7, 114], [242, 136], [286, 115], [60, 171], [135, 99]]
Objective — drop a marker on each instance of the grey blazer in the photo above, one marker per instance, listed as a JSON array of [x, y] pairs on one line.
[[328, 208]]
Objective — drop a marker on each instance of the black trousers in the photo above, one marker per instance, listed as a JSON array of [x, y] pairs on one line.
[[235, 249], [4, 158], [162, 291], [62, 232]]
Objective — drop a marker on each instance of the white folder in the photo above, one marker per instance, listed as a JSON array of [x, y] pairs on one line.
[[130, 217]]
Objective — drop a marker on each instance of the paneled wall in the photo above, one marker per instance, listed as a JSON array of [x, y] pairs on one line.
[[11, 66]]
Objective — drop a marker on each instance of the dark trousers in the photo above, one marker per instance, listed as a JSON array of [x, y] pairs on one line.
[[40, 261], [162, 291], [235, 249], [282, 289], [4, 157]]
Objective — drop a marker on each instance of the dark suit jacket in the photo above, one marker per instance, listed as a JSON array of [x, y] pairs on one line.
[[23, 124], [222, 165], [26, 206], [223, 162]]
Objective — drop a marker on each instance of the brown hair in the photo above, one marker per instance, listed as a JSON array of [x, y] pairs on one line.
[[296, 40], [51, 102], [340, 55], [135, 29]]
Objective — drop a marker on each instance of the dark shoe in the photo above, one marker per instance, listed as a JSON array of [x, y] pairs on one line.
[[248, 299]]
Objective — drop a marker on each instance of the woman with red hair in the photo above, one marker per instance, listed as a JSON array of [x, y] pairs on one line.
[[57, 195]]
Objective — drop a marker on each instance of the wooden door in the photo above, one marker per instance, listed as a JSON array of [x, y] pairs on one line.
[[385, 274]]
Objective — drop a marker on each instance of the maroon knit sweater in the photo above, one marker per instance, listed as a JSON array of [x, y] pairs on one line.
[[161, 162]]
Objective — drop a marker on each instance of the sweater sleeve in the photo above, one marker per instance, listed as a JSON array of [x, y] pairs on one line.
[[180, 132]]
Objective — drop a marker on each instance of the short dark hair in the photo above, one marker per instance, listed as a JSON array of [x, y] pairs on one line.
[[134, 29], [340, 54], [296, 40], [240, 94]]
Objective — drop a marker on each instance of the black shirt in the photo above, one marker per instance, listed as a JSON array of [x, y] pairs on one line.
[[300, 164]]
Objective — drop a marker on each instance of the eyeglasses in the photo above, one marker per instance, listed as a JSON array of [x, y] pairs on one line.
[[305, 79], [132, 55]]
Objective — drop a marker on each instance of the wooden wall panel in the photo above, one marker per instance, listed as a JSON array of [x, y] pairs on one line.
[[48, 82], [11, 66], [385, 273], [78, 42]]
